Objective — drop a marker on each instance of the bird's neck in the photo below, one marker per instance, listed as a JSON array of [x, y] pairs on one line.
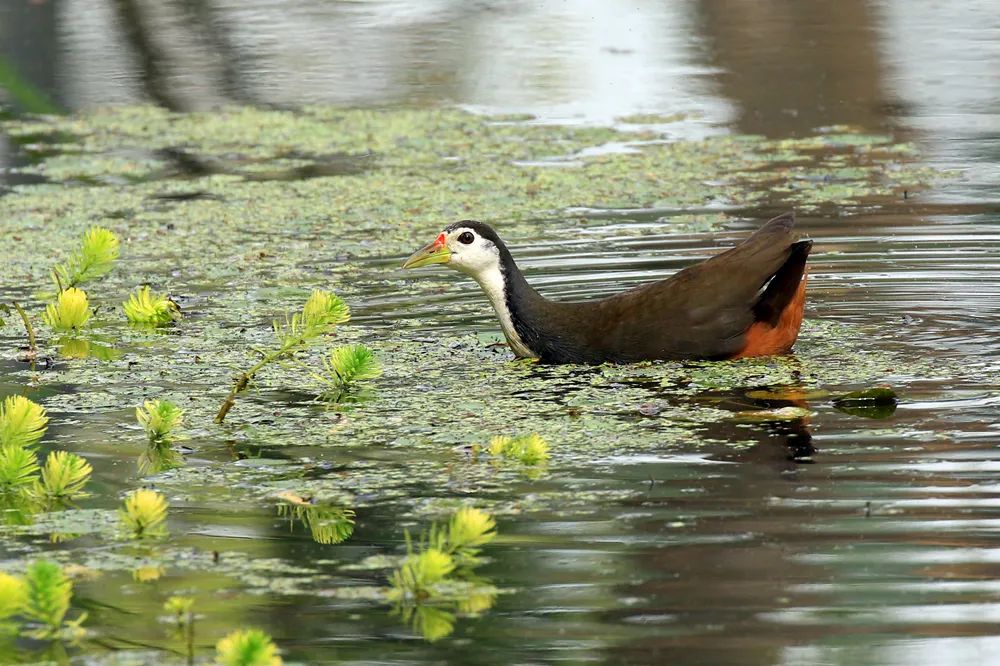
[[514, 301]]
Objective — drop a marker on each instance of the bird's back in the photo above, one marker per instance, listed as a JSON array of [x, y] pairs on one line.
[[703, 311]]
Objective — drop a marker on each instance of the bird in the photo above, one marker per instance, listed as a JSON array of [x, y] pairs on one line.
[[746, 301]]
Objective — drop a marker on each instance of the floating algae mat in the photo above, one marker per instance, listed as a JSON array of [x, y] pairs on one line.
[[239, 215]]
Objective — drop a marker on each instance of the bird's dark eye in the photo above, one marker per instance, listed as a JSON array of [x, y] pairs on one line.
[[466, 237]]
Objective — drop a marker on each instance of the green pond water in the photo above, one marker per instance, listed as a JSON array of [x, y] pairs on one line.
[[729, 512]]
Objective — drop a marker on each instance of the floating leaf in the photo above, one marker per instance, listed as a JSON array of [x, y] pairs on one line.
[[70, 312], [247, 647], [22, 422], [528, 450], [873, 403], [147, 308]]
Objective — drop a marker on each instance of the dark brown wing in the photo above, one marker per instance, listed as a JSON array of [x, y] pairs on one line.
[[702, 311]]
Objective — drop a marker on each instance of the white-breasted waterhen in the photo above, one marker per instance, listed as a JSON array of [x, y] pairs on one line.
[[746, 301]]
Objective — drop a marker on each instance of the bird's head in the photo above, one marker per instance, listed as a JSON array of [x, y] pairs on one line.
[[468, 246]]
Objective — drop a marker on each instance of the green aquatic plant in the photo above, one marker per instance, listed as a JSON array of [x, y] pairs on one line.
[[29, 330], [182, 610], [13, 595], [350, 364], [327, 524], [144, 514], [95, 257], [70, 312], [159, 418], [145, 307], [319, 317], [49, 592], [528, 450], [159, 457], [445, 549], [64, 476], [431, 622], [18, 469], [247, 647], [22, 422]]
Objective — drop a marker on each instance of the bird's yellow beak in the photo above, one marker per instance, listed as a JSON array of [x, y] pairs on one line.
[[434, 253]]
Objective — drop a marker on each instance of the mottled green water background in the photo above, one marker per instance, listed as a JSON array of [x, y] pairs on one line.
[[248, 153]]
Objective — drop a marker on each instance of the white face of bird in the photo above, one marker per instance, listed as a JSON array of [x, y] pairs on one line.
[[461, 248]]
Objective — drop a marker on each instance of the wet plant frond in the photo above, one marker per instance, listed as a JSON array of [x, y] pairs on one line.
[[420, 571], [22, 422], [95, 257], [145, 307], [159, 418], [179, 607], [145, 513], [48, 596], [247, 647], [527, 450], [320, 316], [64, 475], [13, 595], [18, 468], [350, 364], [468, 530], [70, 312], [431, 622]]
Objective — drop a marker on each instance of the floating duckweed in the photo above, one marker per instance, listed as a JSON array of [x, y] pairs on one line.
[[22, 422], [145, 307], [350, 364], [159, 418], [247, 647], [18, 468], [13, 595], [70, 312], [64, 475], [528, 450], [145, 513], [95, 257]]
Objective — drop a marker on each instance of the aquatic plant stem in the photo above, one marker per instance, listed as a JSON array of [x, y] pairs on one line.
[[243, 381], [33, 348]]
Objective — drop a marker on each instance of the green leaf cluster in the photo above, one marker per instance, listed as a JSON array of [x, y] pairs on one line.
[[95, 257], [41, 597], [64, 476], [145, 307], [327, 524], [527, 450], [247, 647], [159, 418], [350, 364], [70, 312], [144, 514]]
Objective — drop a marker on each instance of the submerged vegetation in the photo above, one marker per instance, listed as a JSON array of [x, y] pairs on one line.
[[247, 647]]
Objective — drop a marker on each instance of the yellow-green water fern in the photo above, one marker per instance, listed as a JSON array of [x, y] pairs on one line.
[[70, 312], [145, 513], [145, 307], [247, 647], [22, 422], [95, 257]]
